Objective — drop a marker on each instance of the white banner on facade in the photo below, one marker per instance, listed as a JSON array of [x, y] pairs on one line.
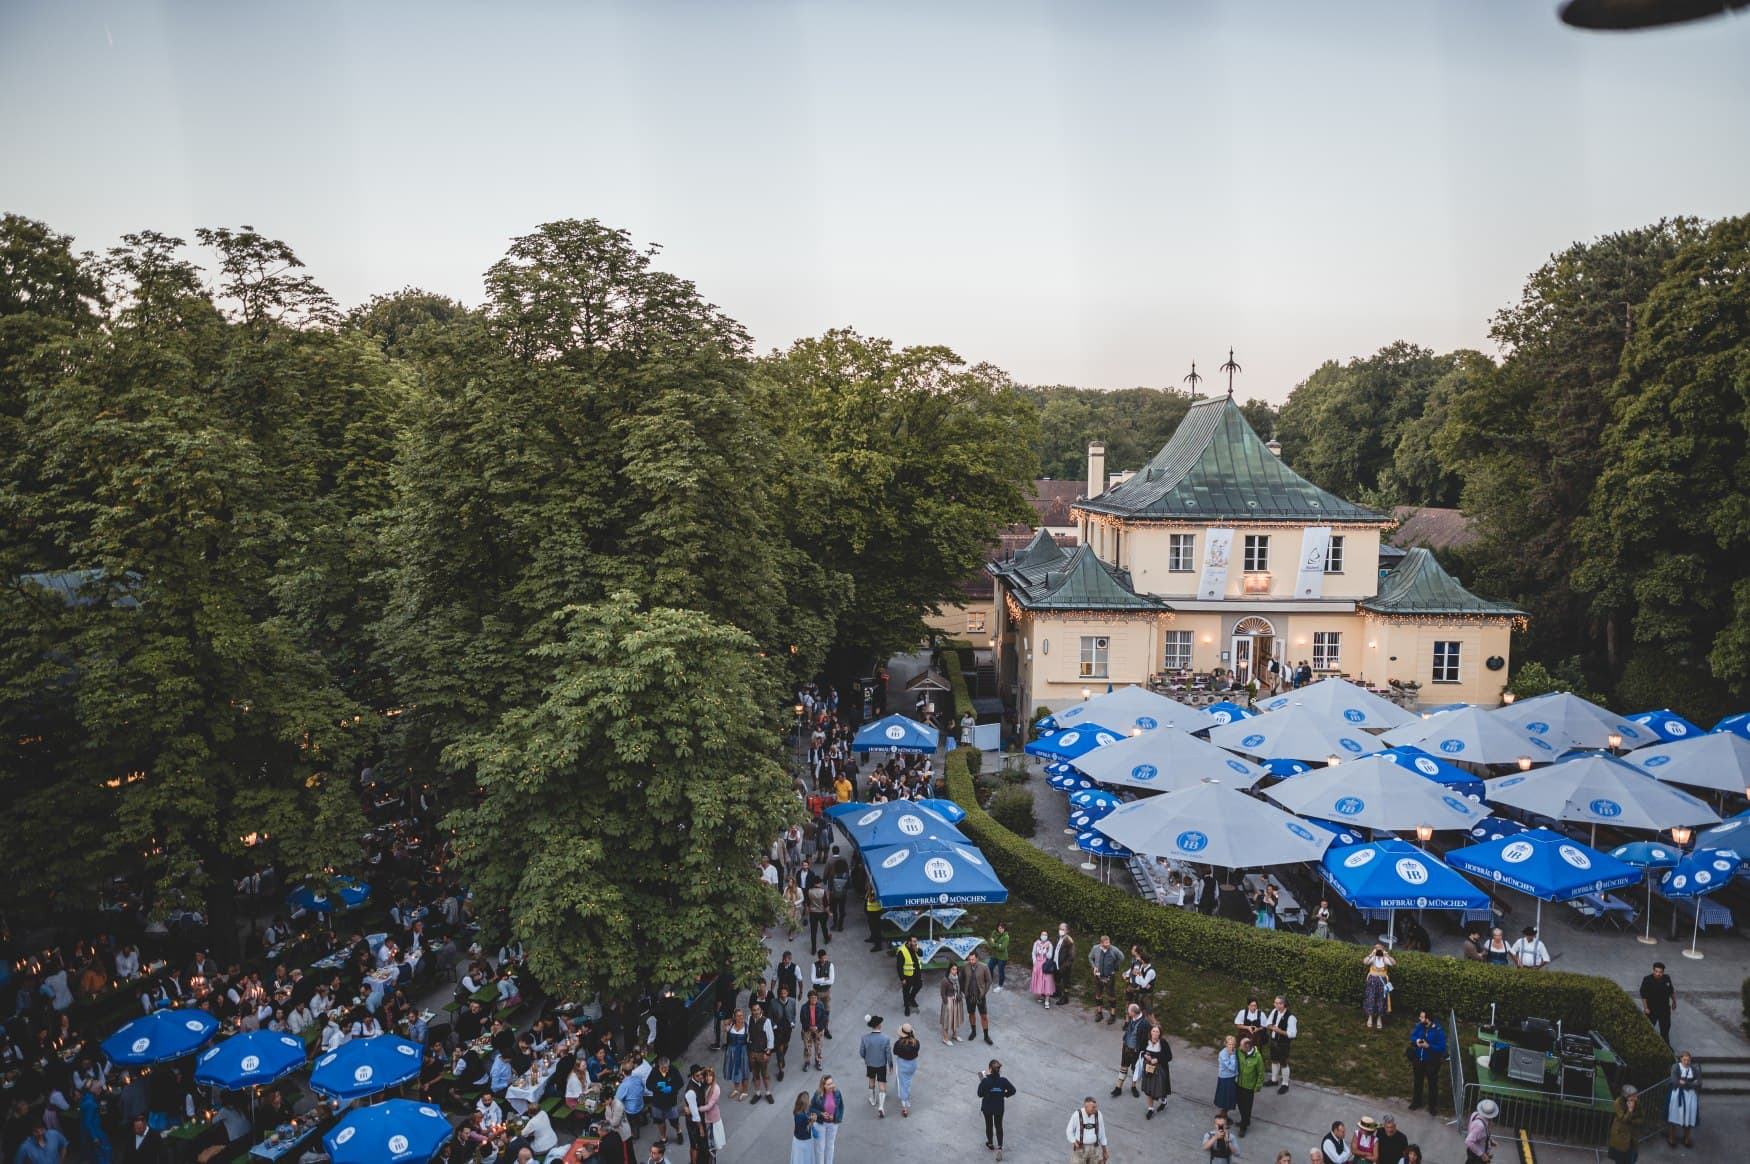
[[1218, 547], [1315, 543]]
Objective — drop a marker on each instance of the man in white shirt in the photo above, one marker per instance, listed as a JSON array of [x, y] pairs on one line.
[[491, 1114], [1529, 952], [1335, 1145], [1283, 1029], [1087, 1134]]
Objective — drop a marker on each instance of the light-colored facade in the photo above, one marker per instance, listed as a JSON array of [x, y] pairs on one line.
[[1216, 555]]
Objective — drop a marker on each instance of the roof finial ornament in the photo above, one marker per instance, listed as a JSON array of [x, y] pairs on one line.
[[1230, 368], [1193, 379]]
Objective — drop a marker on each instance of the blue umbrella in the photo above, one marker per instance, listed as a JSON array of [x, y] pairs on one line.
[[1076, 741], [1059, 768], [1667, 724], [1544, 864], [1434, 768], [1229, 712], [399, 1131], [160, 1037], [1732, 833], [1089, 798], [1394, 874], [895, 733], [1648, 855], [343, 893], [1100, 845], [364, 1067], [1344, 835], [1697, 875], [1070, 783], [249, 1060], [946, 809], [1736, 724], [1081, 820], [1284, 767], [929, 872], [1497, 827], [898, 822]]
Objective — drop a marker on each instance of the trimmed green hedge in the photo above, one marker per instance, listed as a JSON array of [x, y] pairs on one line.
[[1012, 808], [956, 675], [1325, 969]]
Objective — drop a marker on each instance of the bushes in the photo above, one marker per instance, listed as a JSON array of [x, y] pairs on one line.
[[1012, 808], [974, 760], [1039, 713], [1299, 964]]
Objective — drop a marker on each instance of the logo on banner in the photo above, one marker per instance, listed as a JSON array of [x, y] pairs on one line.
[[1252, 741], [1655, 761], [1574, 857], [1518, 852], [970, 856], [911, 826], [1352, 745], [1455, 804], [397, 1144], [1355, 715], [1605, 808], [1144, 772], [1676, 728], [1509, 782], [894, 731], [1537, 743], [869, 817], [1300, 830], [1069, 738], [1358, 858], [1427, 766], [1452, 747], [1412, 871], [430, 1112], [939, 869], [1147, 723], [362, 1073], [1350, 805], [1222, 716], [1237, 766], [1191, 841], [344, 1134], [895, 858], [1103, 738]]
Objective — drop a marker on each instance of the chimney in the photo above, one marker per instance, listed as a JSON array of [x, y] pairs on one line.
[[1096, 469]]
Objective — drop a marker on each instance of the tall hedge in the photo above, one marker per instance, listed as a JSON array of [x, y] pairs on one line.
[[1316, 967]]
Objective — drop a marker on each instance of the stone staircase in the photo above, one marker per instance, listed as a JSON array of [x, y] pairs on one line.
[[1723, 1074]]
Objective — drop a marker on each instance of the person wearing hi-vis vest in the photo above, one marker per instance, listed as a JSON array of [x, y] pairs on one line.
[[872, 914], [911, 973]]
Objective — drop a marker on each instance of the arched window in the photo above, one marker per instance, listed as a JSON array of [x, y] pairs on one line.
[[1254, 626]]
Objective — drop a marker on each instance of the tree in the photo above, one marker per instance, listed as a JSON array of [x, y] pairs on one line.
[[917, 461], [651, 755], [1667, 532]]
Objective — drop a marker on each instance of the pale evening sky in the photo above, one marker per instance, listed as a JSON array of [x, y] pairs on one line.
[[1086, 193]]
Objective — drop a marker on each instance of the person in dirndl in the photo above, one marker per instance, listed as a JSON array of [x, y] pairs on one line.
[[1684, 1105]]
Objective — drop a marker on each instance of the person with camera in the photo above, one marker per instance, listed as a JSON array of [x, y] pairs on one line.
[[1427, 1054], [1219, 1142], [993, 1093]]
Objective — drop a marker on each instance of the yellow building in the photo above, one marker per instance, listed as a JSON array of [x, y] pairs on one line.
[[1217, 555]]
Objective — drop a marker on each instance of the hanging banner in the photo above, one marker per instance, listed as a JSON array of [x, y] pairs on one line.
[[1218, 547], [1315, 543], [963, 946]]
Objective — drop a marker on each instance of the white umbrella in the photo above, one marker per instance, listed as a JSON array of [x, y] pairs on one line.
[[1600, 789], [1132, 708], [1166, 761], [1567, 721], [1717, 760], [1375, 793], [1214, 824], [1295, 733], [1348, 702], [1474, 735]]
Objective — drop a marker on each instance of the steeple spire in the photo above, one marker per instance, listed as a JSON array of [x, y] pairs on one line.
[[1193, 379], [1230, 368]]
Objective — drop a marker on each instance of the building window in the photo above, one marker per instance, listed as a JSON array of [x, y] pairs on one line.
[[1094, 650], [1327, 650], [1257, 556], [1334, 555], [1181, 553], [1178, 656], [1446, 662], [975, 622]]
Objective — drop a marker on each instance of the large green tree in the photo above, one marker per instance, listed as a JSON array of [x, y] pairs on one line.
[[622, 810], [912, 462], [1666, 538]]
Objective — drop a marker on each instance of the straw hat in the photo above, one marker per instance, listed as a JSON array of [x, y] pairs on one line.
[[1369, 1124], [1489, 1109]]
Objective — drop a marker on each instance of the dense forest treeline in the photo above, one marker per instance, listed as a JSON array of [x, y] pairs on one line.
[[1602, 457]]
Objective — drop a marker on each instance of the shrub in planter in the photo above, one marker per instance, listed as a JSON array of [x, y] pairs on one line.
[[974, 760], [1012, 808]]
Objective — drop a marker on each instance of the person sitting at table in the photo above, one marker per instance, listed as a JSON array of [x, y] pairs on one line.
[[236, 1130], [127, 962], [486, 1107], [474, 1131], [333, 1037], [471, 1022], [500, 1073], [364, 1024], [522, 1056], [473, 1068], [471, 983], [510, 992], [271, 1110], [298, 1019]]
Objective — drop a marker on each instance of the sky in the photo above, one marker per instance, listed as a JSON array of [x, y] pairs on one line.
[[1081, 193]]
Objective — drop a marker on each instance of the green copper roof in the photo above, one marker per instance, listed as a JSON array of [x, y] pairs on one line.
[[1042, 549], [1216, 469], [1055, 580], [1420, 585]]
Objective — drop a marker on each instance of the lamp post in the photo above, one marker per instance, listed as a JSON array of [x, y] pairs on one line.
[[1525, 763], [1680, 835], [801, 757], [1424, 834], [1507, 698], [1614, 739]]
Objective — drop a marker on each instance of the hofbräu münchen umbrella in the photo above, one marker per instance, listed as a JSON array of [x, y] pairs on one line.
[[1341, 700], [898, 822], [1214, 824], [250, 1059], [1166, 761], [1568, 721], [363, 1067], [928, 872], [1666, 724], [160, 1037], [1474, 736], [1296, 733], [1545, 865], [1072, 743], [1131, 708], [1434, 768], [895, 733], [1375, 793], [1719, 761], [1697, 875], [1597, 788], [397, 1131], [1394, 874]]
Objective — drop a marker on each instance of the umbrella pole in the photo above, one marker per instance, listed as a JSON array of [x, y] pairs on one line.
[[1695, 936], [1593, 841], [1647, 939], [1539, 922], [1391, 929]]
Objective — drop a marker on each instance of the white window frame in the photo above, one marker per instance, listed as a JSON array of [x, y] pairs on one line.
[[1177, 564], [1096, 662], [1256, 551], [1327, 650], [975, 621], [1334, 555], [1448, 658], [1177, 655]]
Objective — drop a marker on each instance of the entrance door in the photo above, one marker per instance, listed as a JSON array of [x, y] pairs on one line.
[[1242, 654], [1254, 641]]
